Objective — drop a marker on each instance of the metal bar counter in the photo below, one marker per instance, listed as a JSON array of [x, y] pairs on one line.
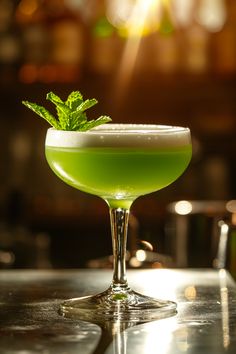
[[30, 322]]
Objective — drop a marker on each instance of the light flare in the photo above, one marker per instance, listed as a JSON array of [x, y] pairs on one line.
[[224, 297], [134, 21], [135, 18], [183, 10], [159, 335], [183, 207], [141, 255], [212, 14]]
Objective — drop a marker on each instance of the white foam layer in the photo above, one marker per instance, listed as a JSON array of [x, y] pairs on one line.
[[122, 135]]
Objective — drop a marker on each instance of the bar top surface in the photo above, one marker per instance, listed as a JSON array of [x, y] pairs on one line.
[[30, 322]]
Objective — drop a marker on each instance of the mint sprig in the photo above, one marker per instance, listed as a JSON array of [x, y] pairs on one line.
[[71, 114]]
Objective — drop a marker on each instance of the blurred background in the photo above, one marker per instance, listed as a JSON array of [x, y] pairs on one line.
[[146, 61]]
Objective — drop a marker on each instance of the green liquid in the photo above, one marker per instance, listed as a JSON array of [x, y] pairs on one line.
[[118, 174]]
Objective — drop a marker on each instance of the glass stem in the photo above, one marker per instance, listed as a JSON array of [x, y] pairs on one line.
[[119, 226]]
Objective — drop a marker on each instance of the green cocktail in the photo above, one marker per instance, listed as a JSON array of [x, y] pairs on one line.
[[119, 162], [117, 174]]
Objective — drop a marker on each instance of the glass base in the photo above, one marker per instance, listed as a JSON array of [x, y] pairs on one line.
[[126, 306]]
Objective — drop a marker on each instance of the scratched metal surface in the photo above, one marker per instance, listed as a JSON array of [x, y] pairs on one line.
[[30, 322]]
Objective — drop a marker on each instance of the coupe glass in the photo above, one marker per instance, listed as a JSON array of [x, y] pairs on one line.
[[119, 163]]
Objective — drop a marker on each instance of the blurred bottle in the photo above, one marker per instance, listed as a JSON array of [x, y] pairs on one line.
[[53, 39], [211, 14], [105, 47], [10, 43], [223, 49], [226, 252], [168, 56], [231, 262], [196, 49], [216, 178], [67, 39]]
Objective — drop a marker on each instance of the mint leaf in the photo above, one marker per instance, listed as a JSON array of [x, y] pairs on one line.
[[70, 114], [51, 96], [43, 112], [87, 125], [76, 119], [86, 105], [63, 111], [74, 99], [94, 123]]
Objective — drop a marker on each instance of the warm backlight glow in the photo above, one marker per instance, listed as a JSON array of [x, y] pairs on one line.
[[183, 10], [142, 17], [26, 10], [212, 14], [231, 206], [135, 18]]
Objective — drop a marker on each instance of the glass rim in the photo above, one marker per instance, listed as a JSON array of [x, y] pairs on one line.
[[126, 128]]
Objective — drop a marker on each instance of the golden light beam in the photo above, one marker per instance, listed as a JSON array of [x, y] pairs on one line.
[[137, 23]]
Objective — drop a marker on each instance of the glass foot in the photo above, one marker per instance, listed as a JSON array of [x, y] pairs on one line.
[[111, 306]]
